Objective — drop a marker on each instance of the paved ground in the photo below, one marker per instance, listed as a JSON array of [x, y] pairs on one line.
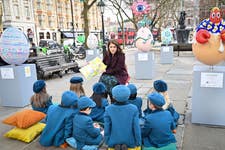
[[179, 78]]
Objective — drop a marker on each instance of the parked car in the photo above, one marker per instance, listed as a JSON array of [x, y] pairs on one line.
[[49, 46]]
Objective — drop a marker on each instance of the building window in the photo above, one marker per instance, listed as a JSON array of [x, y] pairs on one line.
[[27, 12], [16, 11], [54, 36], [38, 4], [50, 21], [41, 35], [48, 35], [61, 22], [40, 20]]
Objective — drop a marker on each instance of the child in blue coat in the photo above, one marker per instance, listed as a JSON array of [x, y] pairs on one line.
[[60, 121], [99, 97], [158, 126], [40, 101], [86, 133], [133, 99], [161, 87], [121, 121], [76, 85]]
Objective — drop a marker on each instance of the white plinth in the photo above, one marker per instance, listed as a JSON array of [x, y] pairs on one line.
[[16, 84], [144, 65], [92, 54], [208, 97], [166, 55]]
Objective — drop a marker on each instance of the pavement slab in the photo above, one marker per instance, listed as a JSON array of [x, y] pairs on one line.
[[179, 79]]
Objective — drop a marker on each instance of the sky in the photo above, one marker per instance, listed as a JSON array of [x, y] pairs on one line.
[[108, 12]]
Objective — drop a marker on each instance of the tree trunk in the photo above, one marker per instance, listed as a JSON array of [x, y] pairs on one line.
[[86, 22]]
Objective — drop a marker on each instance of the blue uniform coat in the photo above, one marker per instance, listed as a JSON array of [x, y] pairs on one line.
[[121, 125], [97, 113], [137, 102], [58, 126], [84, 132], [157, 130]]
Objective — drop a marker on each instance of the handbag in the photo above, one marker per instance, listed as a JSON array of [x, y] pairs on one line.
[[110, 81]]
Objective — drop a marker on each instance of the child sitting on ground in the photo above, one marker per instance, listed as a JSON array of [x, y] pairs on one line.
[[133, 99], [60, 121], [99, 97], [121, 121], [40, 101], [158, 126], [161, 87], [86, 133], [76, 86]]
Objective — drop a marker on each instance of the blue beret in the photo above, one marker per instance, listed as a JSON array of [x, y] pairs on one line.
[[121, 93], [85, 102], [99, 88], [160, 86], [133, 89], [156, 99], [69, 98], [76, 80], [38, 86]]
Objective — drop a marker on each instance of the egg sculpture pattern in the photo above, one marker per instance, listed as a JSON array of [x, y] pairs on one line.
[[208, 43]]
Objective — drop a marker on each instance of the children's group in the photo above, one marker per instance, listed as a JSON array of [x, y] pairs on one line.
[[118, 123]]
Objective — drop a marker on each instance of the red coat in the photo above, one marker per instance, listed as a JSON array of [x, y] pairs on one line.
[[116, 66]]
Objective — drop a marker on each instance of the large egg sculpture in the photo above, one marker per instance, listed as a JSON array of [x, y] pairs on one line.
[[14, 46], [208, 44], [92, 41], [166, 36], [144, 39]]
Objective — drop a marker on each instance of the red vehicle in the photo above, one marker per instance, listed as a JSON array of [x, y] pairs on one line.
[[129, 35]]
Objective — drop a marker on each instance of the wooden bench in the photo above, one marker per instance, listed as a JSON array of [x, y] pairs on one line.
[[181, 47], [52, 64]]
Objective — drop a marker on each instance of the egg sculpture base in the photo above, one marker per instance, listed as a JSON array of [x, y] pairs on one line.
[[16, 84], [166, 54], [208, 95], [144, 65]]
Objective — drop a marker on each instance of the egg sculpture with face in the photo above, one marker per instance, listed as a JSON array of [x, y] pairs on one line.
[[144, 39], [208, 43]]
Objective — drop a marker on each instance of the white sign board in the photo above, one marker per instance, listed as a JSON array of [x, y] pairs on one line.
[[7, 73], [213, 80]]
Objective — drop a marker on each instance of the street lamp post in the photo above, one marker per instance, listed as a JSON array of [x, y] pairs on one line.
[[74, 40], [101, 4]]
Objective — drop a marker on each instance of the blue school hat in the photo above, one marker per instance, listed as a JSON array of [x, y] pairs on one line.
[[121, 93], [160, 86], [99, 88], [69, 98], [85, 102], [76, 80], [156, 99], [38, 86], [133, 88]]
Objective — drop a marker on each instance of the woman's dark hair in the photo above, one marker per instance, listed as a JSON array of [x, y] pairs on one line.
[[119, 50], [97, 98], [132, 96]]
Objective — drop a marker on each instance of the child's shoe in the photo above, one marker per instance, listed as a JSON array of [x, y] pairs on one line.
[[174, 131], [64, 145], [124, 147], [117, 147]]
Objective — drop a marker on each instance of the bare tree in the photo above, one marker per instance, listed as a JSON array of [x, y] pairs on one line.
[[87, 5]]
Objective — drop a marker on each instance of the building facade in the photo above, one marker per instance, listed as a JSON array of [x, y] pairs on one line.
[[19, 13], [46, 19]]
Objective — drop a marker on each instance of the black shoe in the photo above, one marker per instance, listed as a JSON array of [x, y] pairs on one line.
[[124, 147], [117, 147]]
